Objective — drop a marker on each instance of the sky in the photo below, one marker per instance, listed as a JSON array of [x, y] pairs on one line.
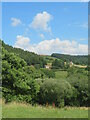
[[45, 0], [46, 28]]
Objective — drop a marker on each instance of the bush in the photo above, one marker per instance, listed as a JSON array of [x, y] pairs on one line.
[[56, 91], [49, 73], [58, 64], [80, 83]]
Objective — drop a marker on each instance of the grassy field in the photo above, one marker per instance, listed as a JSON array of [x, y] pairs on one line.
[[18, 110], [48, 58], [60, 74]]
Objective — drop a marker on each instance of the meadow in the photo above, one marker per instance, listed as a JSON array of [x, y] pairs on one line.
[[60, 74], [22, 110]]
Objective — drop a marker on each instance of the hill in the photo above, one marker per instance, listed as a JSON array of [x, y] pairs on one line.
[[79, 59], [40, 61], [30, 57]]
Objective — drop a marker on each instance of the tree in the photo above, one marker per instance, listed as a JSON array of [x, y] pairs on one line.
[[48, 73], [55, 91], [17, 84], [29, 57], [57, 64]]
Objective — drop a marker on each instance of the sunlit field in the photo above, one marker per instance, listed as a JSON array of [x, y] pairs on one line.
[[60, 74], [21, 110]]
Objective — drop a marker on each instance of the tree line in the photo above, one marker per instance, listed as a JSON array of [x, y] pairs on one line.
[[78, 59]]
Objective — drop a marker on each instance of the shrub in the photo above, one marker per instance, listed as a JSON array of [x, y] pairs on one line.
[[80, 84], [49, 73], [56, 91]]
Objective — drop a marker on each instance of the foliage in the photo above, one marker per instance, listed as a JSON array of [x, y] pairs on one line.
[[79, 59], [48, 73], [33, 72], [58, 64], [54, 91], [24, 79], [16, 83], [78, 78], [30, 57], [74, 71]]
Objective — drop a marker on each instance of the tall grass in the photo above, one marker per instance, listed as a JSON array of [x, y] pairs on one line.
[[23, 110]]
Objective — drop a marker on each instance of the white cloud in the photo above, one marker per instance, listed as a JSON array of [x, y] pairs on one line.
[[22, 42], [15, 22], [41, 21], [52, 46], [83, 48], [42, 36]]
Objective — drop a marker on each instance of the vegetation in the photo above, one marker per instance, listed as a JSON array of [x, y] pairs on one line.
[[17, 84], [54, 92], [30, 57], [78, 59], [57, 64], [78, 78], [49, 73], [22, 110], [27, 80], [60, 74], [0, 68]]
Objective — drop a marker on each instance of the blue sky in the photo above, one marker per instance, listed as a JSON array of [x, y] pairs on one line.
[[45, 28]]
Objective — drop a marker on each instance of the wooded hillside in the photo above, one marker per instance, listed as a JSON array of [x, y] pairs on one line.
[[79, 59]]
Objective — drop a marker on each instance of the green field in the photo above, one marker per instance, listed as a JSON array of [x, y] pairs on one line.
[[60, 74], [49, 59], [16, 110]]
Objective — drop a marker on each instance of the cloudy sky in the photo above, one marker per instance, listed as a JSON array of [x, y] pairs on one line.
[[46, 28]]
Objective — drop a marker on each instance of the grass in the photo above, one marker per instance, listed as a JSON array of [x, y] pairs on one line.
[[60, 74], [49, 59], [80, 66], [0, 108], [21, 110]]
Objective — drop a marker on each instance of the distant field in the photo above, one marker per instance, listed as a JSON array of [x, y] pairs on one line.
[[60, 74], [16, 110], [48, 58], [80, 66]]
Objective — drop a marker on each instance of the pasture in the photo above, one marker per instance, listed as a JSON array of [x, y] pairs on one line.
[[60, 74], [22, 110]]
